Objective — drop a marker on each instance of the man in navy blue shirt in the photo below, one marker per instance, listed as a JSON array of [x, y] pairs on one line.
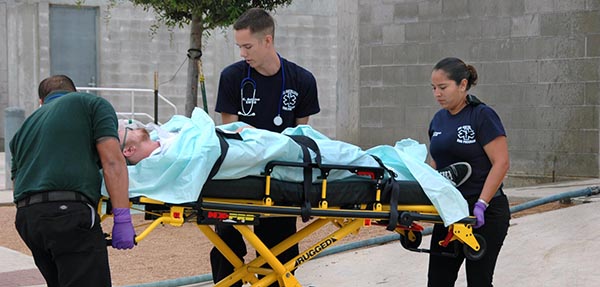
[[268, 92]]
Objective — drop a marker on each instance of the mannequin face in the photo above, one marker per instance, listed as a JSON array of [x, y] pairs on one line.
[[447, 93], [137, 145]]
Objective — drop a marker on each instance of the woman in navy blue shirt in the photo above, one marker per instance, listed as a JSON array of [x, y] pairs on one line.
[[465, 129]]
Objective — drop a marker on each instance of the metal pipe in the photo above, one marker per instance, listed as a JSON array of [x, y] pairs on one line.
[[156, 97], [177, 281], [133, 90], [202, 85], [132, 104], [588, 191], [13, 120]]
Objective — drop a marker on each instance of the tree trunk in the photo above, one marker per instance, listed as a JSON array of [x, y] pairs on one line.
[[191, 99]]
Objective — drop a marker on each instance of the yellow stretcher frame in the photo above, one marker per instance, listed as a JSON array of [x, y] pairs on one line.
[[281, 272], [244, 212]]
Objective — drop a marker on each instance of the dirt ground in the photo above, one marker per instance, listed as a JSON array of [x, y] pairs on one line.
[[171, 252]]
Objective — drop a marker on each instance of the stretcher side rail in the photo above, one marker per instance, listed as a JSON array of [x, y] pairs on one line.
[[375, 173], [408, 212]]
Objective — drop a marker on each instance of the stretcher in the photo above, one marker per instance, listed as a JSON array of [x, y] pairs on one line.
[[366, 199]]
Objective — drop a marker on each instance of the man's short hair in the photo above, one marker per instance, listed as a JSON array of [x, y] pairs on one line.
[[136, 136], [55, 83], [257, 20]]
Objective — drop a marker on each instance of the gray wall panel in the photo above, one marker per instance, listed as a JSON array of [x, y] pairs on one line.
[[538, 66]]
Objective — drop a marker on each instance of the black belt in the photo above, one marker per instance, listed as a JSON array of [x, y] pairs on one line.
[[52, 196]]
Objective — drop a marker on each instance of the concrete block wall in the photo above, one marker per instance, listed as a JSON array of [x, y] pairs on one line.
[[18, 57], [304, 34], [3, 69], [128, 55], [539, 67]]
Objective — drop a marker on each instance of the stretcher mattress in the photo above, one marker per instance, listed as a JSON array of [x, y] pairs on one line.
[[340, 193]]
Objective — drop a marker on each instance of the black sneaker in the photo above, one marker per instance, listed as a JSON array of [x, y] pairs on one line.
[[457, 172]]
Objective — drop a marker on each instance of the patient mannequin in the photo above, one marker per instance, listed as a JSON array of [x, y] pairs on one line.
[[137, 145]]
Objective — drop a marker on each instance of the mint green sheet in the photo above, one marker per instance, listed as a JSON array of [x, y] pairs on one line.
[[178, 174]]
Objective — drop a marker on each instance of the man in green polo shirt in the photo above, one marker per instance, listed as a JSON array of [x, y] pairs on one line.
[[56, 158]]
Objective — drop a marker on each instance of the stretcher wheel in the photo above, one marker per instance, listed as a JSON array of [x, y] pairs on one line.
[[474, 255], [411, 240]]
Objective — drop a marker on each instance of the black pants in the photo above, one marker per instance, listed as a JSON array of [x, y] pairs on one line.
[[443, 270], [67, 243], [270, 230]]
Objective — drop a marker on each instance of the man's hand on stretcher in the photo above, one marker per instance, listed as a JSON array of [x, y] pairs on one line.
[[117, 184], [123, 234]]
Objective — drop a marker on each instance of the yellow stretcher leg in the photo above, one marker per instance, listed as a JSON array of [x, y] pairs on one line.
[[238, 265], [290, 241], [464, 234], [248, 271], [309, 253], [277, 271], [349, 227], [283, 275]]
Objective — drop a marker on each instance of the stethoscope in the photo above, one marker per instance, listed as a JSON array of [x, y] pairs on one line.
[[277, 120]]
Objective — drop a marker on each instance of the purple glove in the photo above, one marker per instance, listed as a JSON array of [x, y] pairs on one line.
[[123, 234], [478, 211]]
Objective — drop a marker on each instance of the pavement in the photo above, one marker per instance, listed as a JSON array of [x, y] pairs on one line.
[[16, 269], [551, 249]]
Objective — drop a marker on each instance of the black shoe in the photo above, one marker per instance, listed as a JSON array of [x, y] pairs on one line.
[[457, 172]]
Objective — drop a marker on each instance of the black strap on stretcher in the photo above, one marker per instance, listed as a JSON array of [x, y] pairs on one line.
[[222, 135], [224, 148], [393, 188], [307, 143]]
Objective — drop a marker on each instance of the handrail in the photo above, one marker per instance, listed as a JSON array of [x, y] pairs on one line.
[[132, 91]]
